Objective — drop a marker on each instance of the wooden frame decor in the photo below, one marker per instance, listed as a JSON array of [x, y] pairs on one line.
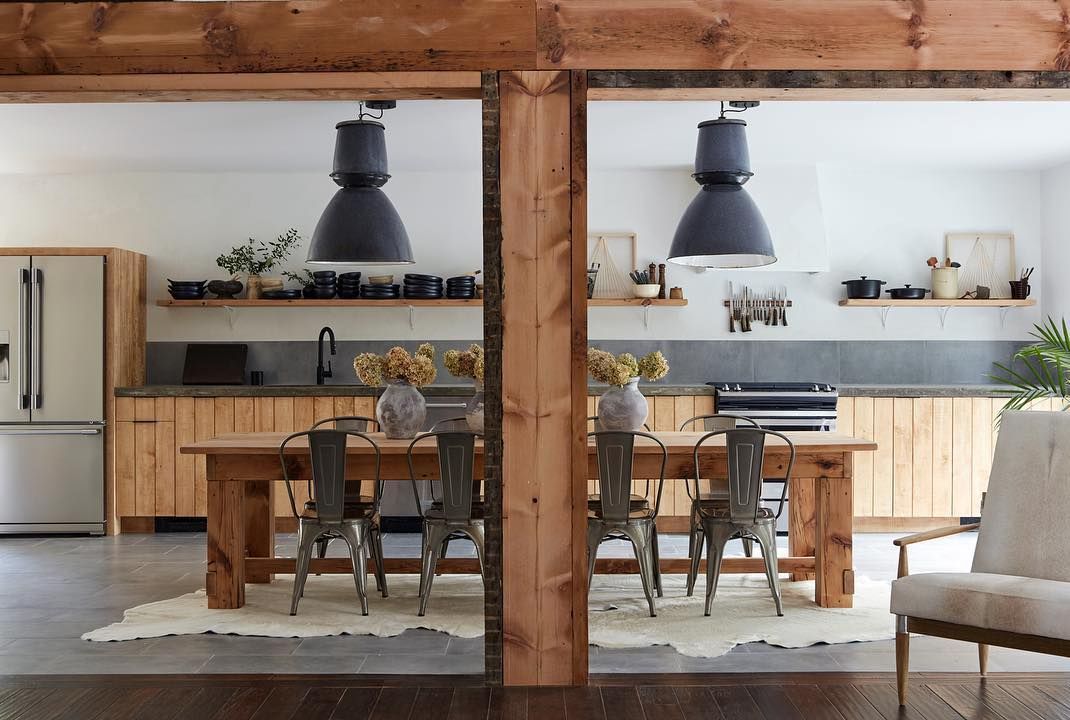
[[987, 259], [611, 250]]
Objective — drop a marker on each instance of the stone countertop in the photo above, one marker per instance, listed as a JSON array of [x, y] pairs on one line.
[[649, 389]]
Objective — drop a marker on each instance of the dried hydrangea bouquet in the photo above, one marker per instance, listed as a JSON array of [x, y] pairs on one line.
[[469, 364], [401, 409], [622, 406]]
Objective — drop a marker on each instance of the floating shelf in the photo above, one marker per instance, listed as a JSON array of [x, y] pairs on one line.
[[928, 302], [400, 302]]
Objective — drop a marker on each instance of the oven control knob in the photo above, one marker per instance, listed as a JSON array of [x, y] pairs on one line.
[[738, 388]]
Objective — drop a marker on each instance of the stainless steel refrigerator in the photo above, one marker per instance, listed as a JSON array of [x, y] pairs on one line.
[[51, 394]]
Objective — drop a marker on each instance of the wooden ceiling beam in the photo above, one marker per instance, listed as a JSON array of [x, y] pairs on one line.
[[264, 36], [811, 34], [184, 87], [713, 85]]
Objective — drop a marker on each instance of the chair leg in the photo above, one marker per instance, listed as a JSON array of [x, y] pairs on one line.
[[356, 538], [641, 536], [478, 537], [982, 658], [306, 537], [433, 537], [594, 537], [376, 538], [767, 542], [902, 657], [321, 548], [748, 547], [696, 540], [656, 552], [717, 536]]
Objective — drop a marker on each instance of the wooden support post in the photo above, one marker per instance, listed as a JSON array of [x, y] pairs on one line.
[[543, 332], [225, 579], [259, 525], [835, 569]]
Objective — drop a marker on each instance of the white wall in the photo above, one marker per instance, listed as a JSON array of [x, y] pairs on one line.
[[183, 221], [880, 222], [1056, 194]]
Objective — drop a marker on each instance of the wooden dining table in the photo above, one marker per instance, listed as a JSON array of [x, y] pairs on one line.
[[243, 468]]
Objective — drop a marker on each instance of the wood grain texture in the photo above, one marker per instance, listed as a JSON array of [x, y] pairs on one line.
[[803, 34], [144, 468], [164, 477], [903, 456], [125, 468], [185, 465], [203, 429], [835, 579], [254, 37], [225, 576], [537, 372]]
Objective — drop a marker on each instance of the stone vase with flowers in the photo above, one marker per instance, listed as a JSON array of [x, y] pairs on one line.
[[469, 364], [622, 406], [401, 409]]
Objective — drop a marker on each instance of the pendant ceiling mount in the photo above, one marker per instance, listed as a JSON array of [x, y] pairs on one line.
[[722, 227], [360, 226]]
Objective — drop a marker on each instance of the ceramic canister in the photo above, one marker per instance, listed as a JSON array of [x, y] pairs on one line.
[[945, 283]]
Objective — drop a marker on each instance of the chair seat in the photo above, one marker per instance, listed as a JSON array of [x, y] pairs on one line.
[[364, 501], [633, 514], [1028, 606], [637, 502], [720, 511], [355, 511], [436, 512]]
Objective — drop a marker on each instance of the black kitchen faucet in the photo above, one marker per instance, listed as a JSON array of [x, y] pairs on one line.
[[321, 372]]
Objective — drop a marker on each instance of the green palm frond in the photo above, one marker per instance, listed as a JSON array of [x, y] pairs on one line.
[[1039, 370]]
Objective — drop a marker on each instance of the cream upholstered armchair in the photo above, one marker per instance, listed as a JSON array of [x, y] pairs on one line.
[[1017, 594]]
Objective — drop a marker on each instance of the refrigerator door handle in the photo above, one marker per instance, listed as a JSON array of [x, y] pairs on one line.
[[35, 343], [80, 431], [24, 280]]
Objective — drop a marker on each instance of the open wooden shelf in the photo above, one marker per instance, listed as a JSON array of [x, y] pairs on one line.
[[400, 302], [928, 302]]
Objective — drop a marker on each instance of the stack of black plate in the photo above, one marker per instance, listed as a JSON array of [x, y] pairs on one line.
[[462, 287], [281, 295], [349, 285], [423, 287], [186, 289], [323, 287], [380, 292]]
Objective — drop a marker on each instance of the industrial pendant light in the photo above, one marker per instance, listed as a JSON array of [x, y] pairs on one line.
[[360, 225], [722, 227]]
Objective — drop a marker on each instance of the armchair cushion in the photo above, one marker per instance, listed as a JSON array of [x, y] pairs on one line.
[[1015, 604]]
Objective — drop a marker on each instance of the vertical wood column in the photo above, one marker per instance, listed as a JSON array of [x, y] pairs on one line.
[[544, 397]]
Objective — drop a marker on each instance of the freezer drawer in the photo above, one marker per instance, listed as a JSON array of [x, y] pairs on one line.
[[51, 478]]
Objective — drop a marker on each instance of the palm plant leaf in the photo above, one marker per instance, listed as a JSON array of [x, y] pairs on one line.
[[1039, 370]]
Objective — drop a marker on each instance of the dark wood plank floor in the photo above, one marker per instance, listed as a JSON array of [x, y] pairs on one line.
[[815, 696]]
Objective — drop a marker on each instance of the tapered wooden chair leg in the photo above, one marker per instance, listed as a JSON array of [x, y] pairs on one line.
[[982, 658], [902, 657]]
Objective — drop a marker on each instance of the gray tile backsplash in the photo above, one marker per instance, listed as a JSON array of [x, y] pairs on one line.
[[848, 362]]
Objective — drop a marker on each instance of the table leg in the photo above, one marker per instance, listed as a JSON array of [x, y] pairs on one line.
[[835, 569], [225, 580], [802, 523], [259, 525]]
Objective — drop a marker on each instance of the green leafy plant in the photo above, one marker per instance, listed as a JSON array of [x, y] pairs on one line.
[[304, 278], [257, 257], [1038, 370]]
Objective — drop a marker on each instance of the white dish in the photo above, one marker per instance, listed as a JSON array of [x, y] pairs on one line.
[[649, 290]]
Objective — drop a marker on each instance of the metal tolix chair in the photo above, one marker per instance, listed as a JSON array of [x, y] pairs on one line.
[[457, 514], [717, 493], [615, 516], [743, 515], [327, 451], [354, 498]]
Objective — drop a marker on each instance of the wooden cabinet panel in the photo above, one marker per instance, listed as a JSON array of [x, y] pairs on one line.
[[125, 464], [943, 430], [903, 457], [203, 429], [244, 414], [164, 475], [883, 459], [863, 462], [961, 455], [185, 465], [922, 470], [145, 467]]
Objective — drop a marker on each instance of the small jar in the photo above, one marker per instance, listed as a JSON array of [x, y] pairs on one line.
[[945, 283]]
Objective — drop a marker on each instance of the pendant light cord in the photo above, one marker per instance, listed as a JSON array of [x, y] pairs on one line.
[[363, 114], [737, 106]]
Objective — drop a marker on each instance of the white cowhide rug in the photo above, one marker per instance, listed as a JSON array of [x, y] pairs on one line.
[[742, 612]]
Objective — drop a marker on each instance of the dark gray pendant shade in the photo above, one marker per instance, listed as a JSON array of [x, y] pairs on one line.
[[360, 225], [722, 227]]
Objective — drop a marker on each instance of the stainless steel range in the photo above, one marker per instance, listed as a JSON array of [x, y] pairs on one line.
[[783, 407]]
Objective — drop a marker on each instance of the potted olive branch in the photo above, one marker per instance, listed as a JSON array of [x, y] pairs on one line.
[[257, 257]]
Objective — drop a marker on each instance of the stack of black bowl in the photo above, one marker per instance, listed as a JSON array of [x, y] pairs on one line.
[[186, 289], [462, 287], [423, 287], [380, 292], [349, 285], [324, 285]]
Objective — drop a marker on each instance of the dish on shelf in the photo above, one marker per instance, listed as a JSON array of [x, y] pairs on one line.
[[281, 295], [380, 279]]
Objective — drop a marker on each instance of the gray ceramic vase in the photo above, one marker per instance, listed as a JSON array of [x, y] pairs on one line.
[[401, 410], [473, 411], [622, 408]]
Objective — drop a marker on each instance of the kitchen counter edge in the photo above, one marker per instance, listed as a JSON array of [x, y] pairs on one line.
[[467, 390]]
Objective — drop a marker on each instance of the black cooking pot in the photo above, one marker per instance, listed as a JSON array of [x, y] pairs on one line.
[[908, 293], [864, 288]]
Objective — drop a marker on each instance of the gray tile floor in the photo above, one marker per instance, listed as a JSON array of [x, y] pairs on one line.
[[54, 589]]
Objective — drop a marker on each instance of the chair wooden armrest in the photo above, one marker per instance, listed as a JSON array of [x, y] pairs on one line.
[[903, 542]]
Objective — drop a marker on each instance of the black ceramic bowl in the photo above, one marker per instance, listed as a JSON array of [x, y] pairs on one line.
[[323, 282], [281, 295], [186, 284], [349, 277], [187, 294], [318, 293], [324, 274]]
